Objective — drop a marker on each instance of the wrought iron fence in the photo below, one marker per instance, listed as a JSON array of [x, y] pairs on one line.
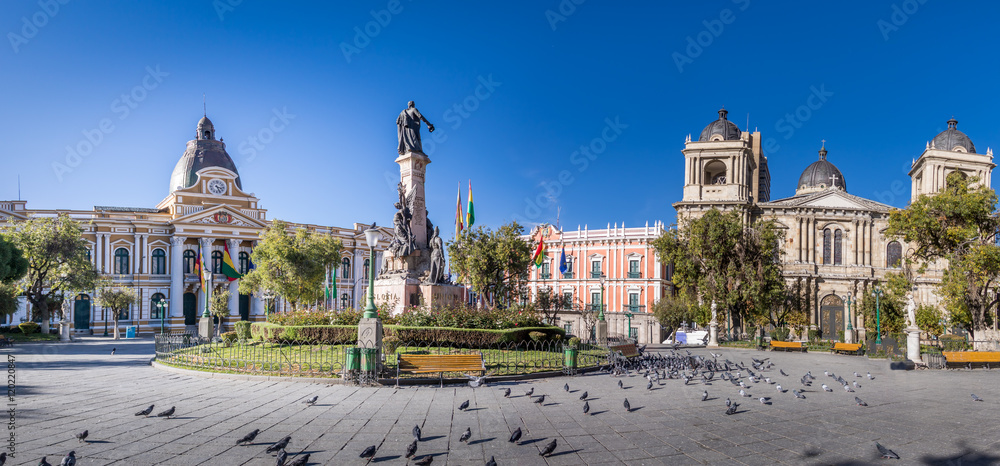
[[355, 362]]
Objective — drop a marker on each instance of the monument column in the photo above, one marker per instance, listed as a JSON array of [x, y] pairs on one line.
[[412, 167]]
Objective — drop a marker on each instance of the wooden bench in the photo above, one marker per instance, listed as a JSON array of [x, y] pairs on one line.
[[853, 348], [964, 358], [440, 363], [788, 346], [627, 351]]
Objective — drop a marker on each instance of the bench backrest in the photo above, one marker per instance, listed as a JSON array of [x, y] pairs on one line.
[[971, 356], [789, 344], [847, 346], [440, 362], [628, 350]]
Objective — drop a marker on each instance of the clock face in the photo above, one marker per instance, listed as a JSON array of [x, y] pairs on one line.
[[217, 187]]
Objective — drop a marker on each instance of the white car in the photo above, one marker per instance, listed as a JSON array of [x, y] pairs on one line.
[[697, 337]]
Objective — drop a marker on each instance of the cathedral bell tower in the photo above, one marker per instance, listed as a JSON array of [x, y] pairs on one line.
[[949, 151]]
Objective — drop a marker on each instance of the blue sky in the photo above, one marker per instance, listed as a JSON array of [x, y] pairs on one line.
[[533, 81]]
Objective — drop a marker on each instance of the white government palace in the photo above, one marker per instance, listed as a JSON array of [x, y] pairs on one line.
[[154, 249]]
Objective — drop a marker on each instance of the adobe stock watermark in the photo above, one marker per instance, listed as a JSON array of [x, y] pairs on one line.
[[795, 119], [255, 143], [455, 116], [582, 158], [900, 14], [38, 20], [224, 7], [363, 35], [122, 107], [706, 37], [563, 10]]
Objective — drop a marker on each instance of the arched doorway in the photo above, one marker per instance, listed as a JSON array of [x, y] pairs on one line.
[[190, 309], [831, 312], [81, 312], [244, 307]]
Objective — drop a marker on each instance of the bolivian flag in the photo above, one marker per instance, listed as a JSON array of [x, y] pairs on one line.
[[539, 256], [228, 269], [199, 267], [470, 217], [458, 213]]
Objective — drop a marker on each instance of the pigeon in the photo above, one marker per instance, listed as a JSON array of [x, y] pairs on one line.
[[728, 402], [782, 372], [586, 407], [167, 414], [763, 400], [870, 377], [825, 388], [82, 436], [848, 389], [69, 460], [491, 462], [549, 448], [827, 374], [466, 435], [732, 409], [859, 402], [628, 408], [541, 399], [300, 461], [649, 385], [476, 382], [146, 411], [416, 432], [798, 394], [704, 395], [566, 387], [311, 401], [248, 437], [282, 456], [857, 374], [885, 452], [584, 396], [280, 445], [43, 462], [743, 393], [113, 351], [856, 384], [976, 398], [620, 384], [464, 405], [3, 458], [369, 452], [515, 436], [779, 389], [411, 449], [767, 380], [530, 392], [427, 459]]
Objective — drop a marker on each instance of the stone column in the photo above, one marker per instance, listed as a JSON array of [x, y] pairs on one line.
[[134, 265], [177, 276], [98, 251], [412, 166]]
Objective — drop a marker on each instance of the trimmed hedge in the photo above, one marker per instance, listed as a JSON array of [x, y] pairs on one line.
[[348, 334], [243, 330], [29, 327]]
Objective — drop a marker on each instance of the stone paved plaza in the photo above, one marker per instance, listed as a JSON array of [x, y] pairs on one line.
[[927, 417]]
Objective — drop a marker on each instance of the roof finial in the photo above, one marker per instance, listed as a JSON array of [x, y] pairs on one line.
[[953, 123], [204, 106], [723, 112], [822, 151]]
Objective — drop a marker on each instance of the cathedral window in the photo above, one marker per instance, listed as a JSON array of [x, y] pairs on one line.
[[158, 262], [121, 261], [838, 237], [827, 246], [893, 254]]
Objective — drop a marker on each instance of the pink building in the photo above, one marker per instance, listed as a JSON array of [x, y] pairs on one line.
[[633, 278]]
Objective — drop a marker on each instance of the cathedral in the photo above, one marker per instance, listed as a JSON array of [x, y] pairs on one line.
[[835, 246], [154, 249]]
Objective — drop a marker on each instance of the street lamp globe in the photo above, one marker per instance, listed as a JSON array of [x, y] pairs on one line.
[[371, 235]]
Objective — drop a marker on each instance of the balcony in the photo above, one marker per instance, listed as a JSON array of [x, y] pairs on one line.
[[635, 275], [568, 275], [595, 274], [593, 307], [634, 308], [544, 276]]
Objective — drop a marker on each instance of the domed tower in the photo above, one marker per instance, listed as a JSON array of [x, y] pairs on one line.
[[724, 167], [820, 176], [950, 151], [202, 152]]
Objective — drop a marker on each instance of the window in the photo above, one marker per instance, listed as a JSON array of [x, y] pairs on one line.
[[88, 256], [244, 262], [595, 269], [121, 261], [159, 262], [633, 269], [595, 300], [345, 268], [216, 261], [715, 172], [827, 246], [568, 327], [544, 274], [893, 254], [569, 268], [189, 259], [343, 301], [838, 237], [633, 302], [567, 300], [154, 306], [367, 265]]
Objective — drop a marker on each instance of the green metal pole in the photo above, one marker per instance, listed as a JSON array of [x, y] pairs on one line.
[[600, 313], [878, 317], [629, 315], [849, 319], [371, 311]]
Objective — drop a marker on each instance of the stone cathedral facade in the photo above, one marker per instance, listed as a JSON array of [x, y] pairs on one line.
[[835, 245]]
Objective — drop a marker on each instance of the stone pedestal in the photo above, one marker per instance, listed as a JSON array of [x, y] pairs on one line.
[[602, 332], [412, 166], [713, 335], [370, 333], [913, 344], [849, 335], [205, 327], [64, 333]]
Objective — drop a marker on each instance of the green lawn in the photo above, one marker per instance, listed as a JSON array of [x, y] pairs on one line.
[[328, 360], [16, 337]]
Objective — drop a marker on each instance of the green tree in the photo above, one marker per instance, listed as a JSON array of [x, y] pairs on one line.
[[959, 225], [57, 263], [671, 311], [291, 265], [892, 304], [13, 267], [929, 319], [717, 257], [495, 264], [550, 304], [219, 307], [117, 299]]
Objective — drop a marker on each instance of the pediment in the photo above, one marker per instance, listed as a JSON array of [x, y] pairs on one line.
[[220, 215], [831, 198], [834, 199]]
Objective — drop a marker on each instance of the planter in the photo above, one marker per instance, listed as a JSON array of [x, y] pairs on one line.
[[369, 359], [569, 357], [352, 359]]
